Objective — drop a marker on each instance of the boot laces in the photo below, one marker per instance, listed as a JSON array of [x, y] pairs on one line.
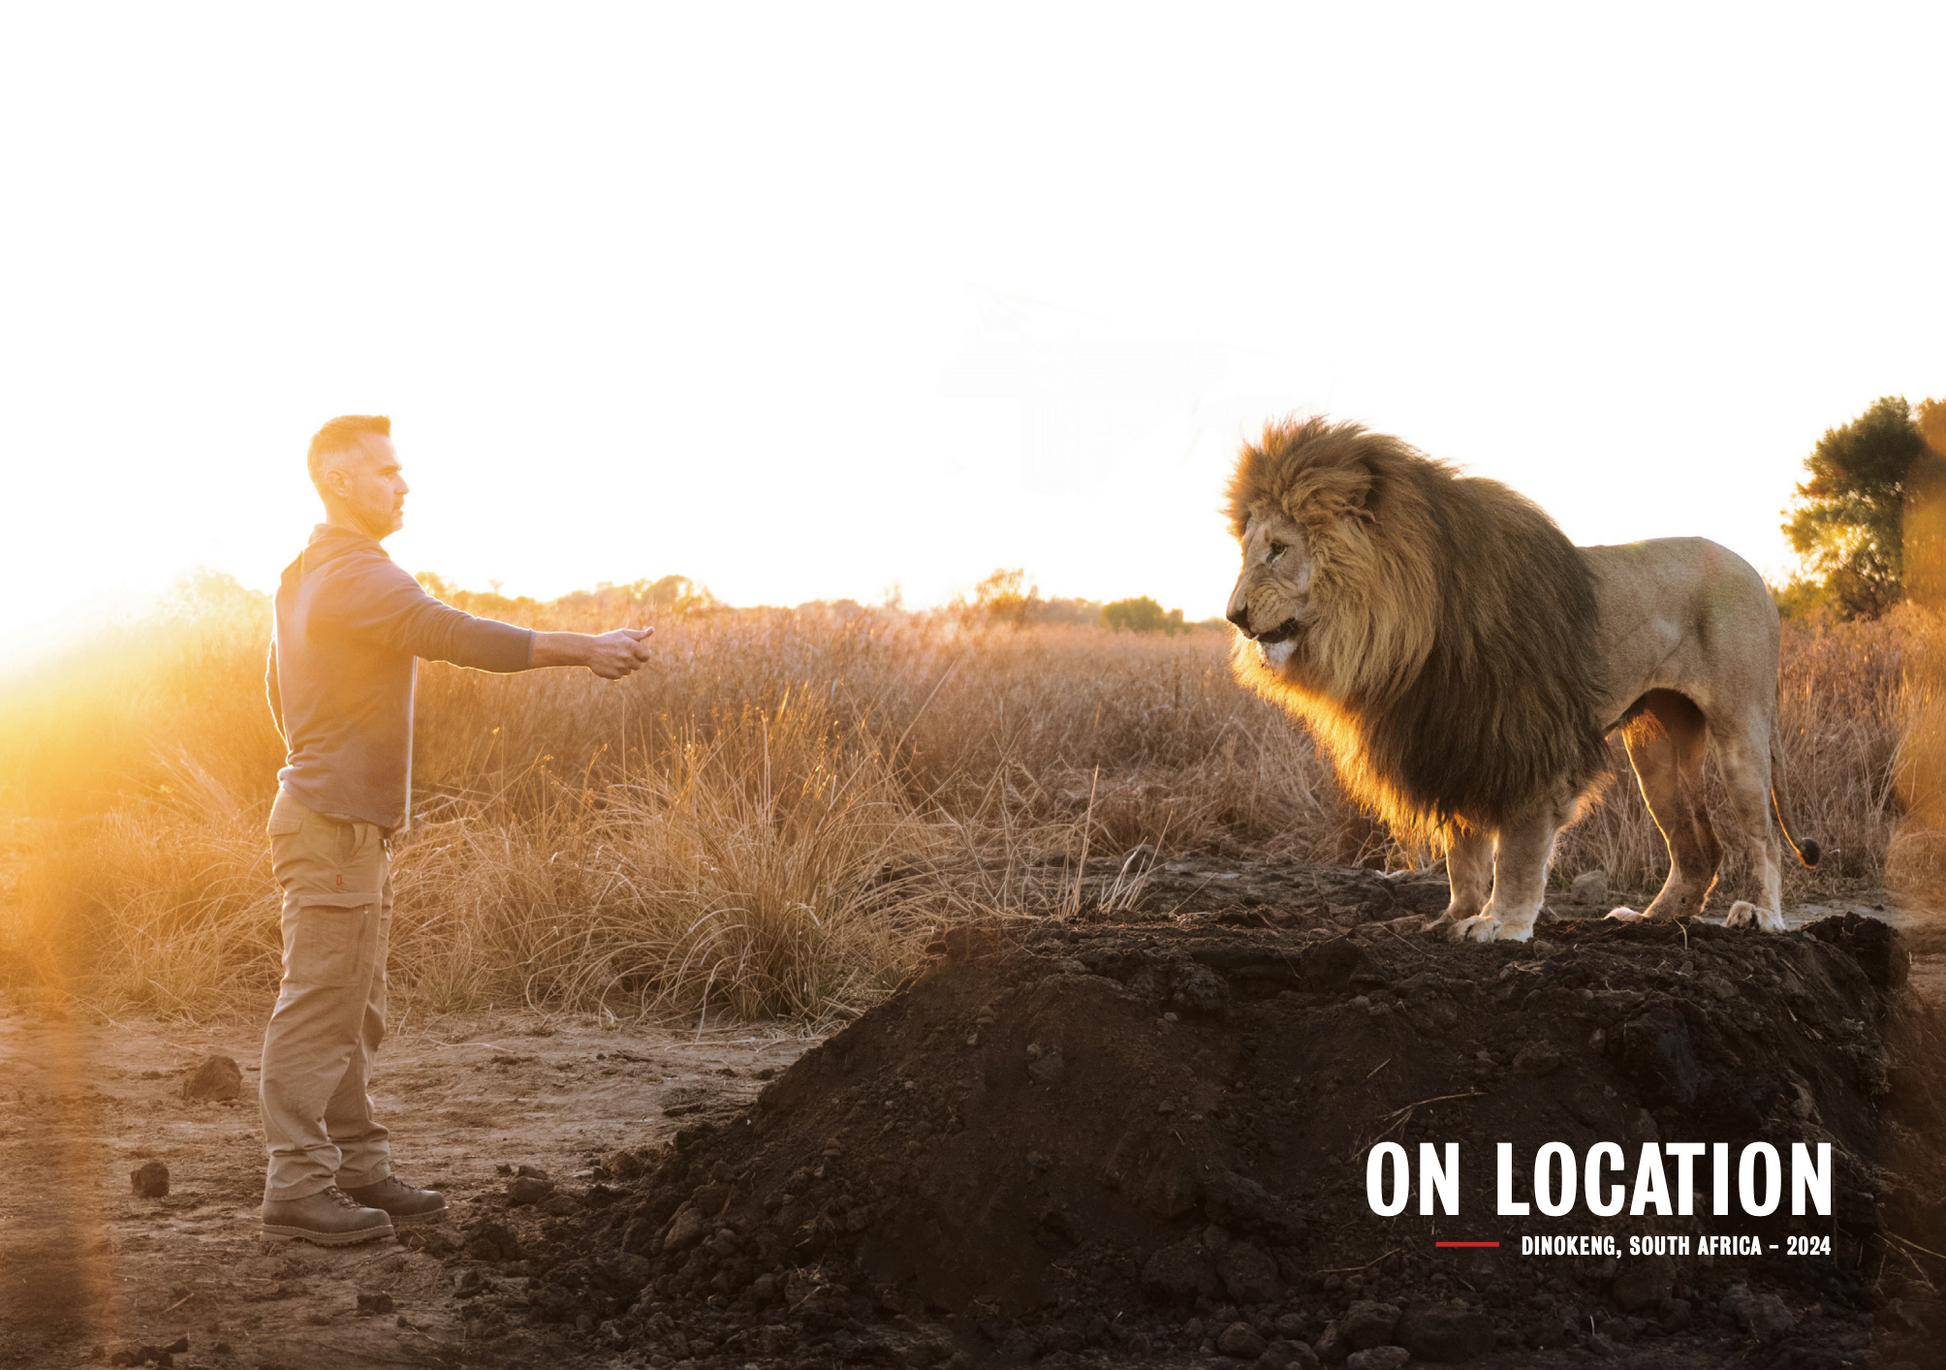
[[340, 1198]]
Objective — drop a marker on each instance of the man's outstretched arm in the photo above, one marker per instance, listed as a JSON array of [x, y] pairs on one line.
[[609, 655], [380, 600]]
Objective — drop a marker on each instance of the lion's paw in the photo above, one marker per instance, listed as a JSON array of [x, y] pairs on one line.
[[1625, 914], [1744, 914], [1486, 927]]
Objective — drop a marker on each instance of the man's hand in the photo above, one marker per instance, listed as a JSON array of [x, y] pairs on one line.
[[610, 655], [620, 653]]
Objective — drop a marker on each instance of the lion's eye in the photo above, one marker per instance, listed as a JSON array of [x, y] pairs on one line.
[[1277, 549]]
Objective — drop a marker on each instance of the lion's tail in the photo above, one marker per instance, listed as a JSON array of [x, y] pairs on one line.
[[1780, 798]]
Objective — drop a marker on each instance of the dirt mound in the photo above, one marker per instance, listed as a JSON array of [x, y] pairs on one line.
[[1150, 1139]]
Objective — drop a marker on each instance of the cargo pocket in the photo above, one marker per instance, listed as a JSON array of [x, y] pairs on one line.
[[325, 937]]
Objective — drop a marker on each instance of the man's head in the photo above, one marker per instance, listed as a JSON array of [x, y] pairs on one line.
[[356, 473]]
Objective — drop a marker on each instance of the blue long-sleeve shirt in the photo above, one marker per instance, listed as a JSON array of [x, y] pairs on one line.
[[350, 625]]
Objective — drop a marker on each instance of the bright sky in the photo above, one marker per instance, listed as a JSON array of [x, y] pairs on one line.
[[806, 300]]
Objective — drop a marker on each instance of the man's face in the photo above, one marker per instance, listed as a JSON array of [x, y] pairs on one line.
[[369, 487]]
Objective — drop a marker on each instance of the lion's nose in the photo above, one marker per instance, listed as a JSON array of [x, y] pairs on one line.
[[1241, 617]]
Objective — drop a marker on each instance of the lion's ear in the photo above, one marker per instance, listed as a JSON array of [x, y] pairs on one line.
[[1361, 496]]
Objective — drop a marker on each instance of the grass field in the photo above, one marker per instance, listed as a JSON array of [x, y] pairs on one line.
[[772, 820]]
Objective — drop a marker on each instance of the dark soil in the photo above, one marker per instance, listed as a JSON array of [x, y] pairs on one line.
[[1142, 1138]]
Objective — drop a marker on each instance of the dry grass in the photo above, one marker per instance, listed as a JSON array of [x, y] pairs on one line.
[[771, 821]]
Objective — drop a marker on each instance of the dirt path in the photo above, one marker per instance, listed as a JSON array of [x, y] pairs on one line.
[[84, 1262]]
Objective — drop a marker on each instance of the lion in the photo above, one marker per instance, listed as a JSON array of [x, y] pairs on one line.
[[1462, 663]]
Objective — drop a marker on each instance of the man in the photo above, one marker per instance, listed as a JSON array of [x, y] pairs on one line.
[[350, 626]]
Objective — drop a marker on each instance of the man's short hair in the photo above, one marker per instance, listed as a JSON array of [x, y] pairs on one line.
[[342, 435]]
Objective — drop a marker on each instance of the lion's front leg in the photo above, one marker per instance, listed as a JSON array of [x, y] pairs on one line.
[[1469, 874], [1522, 852]]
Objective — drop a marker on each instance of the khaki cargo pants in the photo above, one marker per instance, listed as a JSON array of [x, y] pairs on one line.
[[330, 1016]]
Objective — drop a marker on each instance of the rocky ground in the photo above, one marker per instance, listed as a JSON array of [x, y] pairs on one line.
[[86, 1262], [1136, 1137]]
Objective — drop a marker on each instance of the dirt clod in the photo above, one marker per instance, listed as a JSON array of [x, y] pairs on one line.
[[217, 1080], [1378, 1358], [150, 1180], [1368, 1323], [1445, 1334], [528, 1189], [1240, 1340]]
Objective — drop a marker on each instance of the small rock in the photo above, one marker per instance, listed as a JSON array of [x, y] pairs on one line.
[[1288, 1354], [1589, 887], [216, 1080], [1537, 1058], [1379, 1358], [688, 1227], [532, 1171], [1178, 1273], [528, 1189], [1240, 1342], [150, 1180], [561, 1206], [1445, 1333], [1368, 1323], [1764, 1316], [1049, 1068], [623, 1165], [1248, 1273], [1331, 1347], [468, 1283]]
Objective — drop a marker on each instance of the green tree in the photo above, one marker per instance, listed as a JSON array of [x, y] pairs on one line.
[[1846, 525], [1142, 615]]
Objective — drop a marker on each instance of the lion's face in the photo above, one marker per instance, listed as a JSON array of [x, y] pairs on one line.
[[1272, 598]]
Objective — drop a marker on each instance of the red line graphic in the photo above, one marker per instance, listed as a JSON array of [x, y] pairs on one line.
[[1466, 1243]]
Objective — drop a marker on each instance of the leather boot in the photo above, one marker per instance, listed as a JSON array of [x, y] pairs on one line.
[[330, 1217], [406, 1205]]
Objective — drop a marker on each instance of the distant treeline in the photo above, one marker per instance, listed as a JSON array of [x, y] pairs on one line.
[[1006, 598]]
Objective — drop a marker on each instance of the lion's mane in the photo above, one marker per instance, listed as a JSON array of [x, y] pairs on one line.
[[1446, 662]]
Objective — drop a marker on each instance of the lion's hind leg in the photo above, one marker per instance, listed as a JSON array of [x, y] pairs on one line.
[[1743, 756], [1666, 745], [1469, 874]]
